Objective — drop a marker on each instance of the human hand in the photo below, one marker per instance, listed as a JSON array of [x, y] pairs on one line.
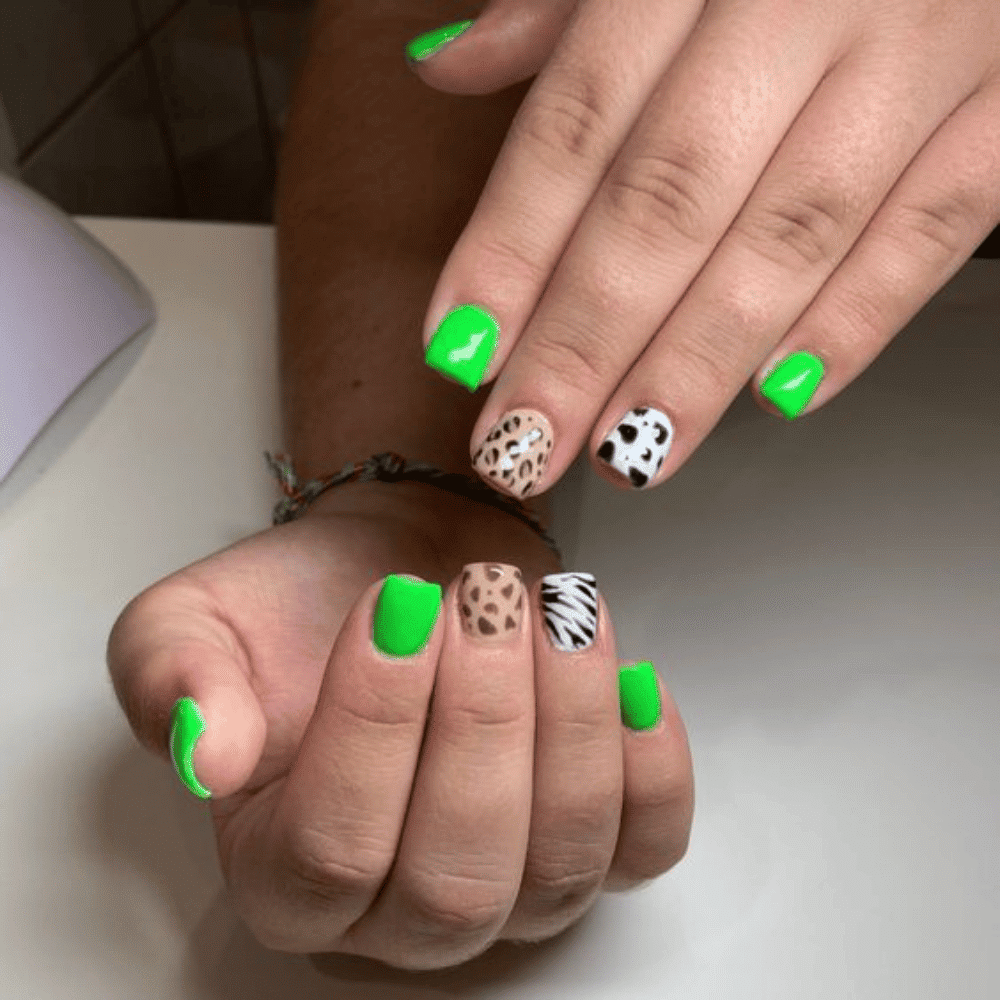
[[338, 829], [694, 192]]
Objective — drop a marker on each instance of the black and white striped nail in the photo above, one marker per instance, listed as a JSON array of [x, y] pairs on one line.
[[569, 606]]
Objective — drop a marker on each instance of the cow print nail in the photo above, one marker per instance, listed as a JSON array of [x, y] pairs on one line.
[[638, 445]]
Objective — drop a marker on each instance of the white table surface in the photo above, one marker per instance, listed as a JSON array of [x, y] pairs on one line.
[[823, 599]]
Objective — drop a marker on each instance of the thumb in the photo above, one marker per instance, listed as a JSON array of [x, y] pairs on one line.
[[509, 42], [175, 670]]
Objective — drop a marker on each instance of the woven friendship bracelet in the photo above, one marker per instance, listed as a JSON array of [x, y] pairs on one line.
[[390, 467]]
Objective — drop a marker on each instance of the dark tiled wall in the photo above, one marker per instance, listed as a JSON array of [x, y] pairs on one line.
[[151, 108], [161, 108]]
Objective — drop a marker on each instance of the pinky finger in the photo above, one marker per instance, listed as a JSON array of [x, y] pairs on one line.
[[941, 209], [658, 803]]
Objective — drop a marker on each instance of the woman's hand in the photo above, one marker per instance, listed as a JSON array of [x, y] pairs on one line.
[[355, 813], [693, 193]]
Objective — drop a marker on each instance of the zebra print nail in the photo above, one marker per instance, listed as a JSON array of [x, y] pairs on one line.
[[569, 604]]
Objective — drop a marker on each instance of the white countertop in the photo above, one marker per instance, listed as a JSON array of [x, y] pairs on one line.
[[823, 599]]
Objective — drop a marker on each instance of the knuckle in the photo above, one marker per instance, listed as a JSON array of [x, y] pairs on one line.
[[326, 874], [662, 195], [798, 232], [566, 885], [514, 253], [571, 354], [705, 363], [449, 905], [942, 224], [568, 119]]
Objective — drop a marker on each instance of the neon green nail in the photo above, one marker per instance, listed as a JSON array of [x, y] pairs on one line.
[[186, 726], [639, 695], [427, 44], [791, 385], [405, 613], [463, 345]]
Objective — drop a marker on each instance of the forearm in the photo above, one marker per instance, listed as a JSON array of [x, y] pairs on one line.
[[378, 175]]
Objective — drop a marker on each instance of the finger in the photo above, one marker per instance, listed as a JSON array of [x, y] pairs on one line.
[[462, 850], [674, 188], [659, 781], [842, 157], [182, 681], [936, 216], [577, 799], [509, 42], [301, 877], [565, 133]]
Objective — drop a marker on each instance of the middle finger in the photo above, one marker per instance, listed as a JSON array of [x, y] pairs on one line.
[[703, 141]]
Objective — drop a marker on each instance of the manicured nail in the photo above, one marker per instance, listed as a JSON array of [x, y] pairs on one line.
[[405, 613], [491, 601], [427, 44], [638, 444], [791, 385], [463, 345], [514, 453], [639, 695], [186, 726], [569, 605]]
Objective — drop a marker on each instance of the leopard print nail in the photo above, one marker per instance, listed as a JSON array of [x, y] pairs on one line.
[[491, 601], [515, 453]]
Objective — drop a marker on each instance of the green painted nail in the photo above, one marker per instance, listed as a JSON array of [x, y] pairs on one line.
[[405, 613], [186, 726], [463, 345], [639, 695], [791, 385], [427, 44]]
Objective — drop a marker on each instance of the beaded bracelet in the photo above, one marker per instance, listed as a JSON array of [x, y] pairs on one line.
[[390, 467]]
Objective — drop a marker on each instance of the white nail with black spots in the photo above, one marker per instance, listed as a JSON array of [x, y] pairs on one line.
[[569, 606], [638, 444]]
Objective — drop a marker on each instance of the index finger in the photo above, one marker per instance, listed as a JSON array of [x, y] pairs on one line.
[[565, 134]]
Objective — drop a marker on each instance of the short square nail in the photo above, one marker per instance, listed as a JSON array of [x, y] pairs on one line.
[[638, 445], [425, 45], [463, 345], [491, 602], [187, 724], [515, 452], [639, 695], [569, 607], [405, 613], [793, 383]]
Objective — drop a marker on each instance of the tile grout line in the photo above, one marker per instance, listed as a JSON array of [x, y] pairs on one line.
[[61, 118]]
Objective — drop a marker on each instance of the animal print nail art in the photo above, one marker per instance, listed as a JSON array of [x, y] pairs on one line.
[[569, 605], [491, 601], [515, 452], [638, 444]]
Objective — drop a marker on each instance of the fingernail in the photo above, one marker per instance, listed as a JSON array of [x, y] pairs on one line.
[[430, 42], [515, 452], [405, 613], [639, 695], [638, 445], [186, 726], [569, 606], [463, 345], [792, 384], [491, 601]]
